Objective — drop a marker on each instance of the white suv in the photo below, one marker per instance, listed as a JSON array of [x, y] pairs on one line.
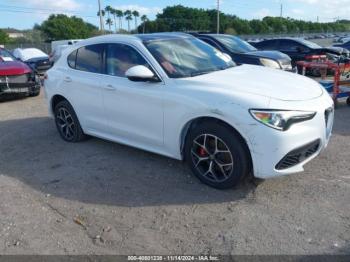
[[177, 96]]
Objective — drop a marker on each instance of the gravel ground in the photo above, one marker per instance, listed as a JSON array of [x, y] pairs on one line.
[[98, 197]]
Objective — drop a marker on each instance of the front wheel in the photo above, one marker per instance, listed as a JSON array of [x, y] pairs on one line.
[[216, 155]]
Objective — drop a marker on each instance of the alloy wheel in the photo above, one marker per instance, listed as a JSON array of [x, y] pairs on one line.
[[65, 123], [212, 158]]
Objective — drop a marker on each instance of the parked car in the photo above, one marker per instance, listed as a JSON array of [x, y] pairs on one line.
[[244, 53], [297, 48], [345, 45], [177, 96], [35, 58], [16, 77], [56, 53], [58, 46], [54, 44]]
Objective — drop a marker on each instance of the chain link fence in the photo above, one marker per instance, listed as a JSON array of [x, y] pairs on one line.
[[45, 47]]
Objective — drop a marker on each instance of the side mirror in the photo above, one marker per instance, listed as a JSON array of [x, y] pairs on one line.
[[141, 73]]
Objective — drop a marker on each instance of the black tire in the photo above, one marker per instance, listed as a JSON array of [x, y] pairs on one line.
[[348, 101], [227, 138], [65, 114]]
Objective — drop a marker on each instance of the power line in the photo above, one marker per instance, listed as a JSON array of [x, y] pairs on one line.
[[42, 13]]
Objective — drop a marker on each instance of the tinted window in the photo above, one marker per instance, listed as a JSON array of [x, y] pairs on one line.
[[309, 43], [290, 45], [267, 45], [122, 57], [235, 44], [72, 58], [210, 42], [89, 58]]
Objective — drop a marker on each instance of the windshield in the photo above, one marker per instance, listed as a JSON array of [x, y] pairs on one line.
[[309, 43], [6, 55], [186, 57], [235, 44]]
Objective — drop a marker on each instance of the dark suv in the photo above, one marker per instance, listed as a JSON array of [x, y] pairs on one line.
[[244, 53]]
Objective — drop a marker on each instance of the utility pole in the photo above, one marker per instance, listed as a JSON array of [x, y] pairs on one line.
[[281, 11], [318, 19], [218, 17], [100, 12]]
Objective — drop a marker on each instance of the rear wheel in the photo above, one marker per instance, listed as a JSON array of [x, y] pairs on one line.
[[216, 155], [67, 123]]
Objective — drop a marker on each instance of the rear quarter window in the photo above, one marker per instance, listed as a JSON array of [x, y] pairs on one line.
[[72, 59]]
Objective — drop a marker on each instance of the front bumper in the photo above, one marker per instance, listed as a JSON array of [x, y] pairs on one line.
[[277, 153], [18, 85]]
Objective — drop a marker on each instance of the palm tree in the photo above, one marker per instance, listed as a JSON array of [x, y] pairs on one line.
[[108, 9], [144, 20], [109, 22], [102, 14], [128, 17], [114, 12], [136, 15], [120, 15]]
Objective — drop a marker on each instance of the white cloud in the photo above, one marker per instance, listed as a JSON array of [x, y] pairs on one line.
[[262, 13], [327, 10], [141, 9], [298, 11], [57, 5]]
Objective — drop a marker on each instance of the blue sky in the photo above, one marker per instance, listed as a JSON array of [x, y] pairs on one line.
[[23, 14]]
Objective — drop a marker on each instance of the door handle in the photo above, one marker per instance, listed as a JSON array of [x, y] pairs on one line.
[[110, 88], [67, 79]]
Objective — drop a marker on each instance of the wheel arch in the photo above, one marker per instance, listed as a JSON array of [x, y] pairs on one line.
[[191, 124], [55, 100]]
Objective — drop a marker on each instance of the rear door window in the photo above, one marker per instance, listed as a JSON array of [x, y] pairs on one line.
[[90, 58]]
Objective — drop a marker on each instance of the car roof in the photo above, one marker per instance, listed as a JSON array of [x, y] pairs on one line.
[[133, 38], [162, 36]]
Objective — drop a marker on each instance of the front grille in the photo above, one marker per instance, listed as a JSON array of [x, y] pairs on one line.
[[14, 79], [298, 155]]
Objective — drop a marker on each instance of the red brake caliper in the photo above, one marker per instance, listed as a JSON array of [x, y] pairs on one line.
[[202, 152]]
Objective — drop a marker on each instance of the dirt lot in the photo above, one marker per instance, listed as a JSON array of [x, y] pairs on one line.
[[98, 197]]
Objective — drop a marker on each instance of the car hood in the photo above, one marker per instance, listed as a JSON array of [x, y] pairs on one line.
[[275, 55], [259, 80], [13, 68]]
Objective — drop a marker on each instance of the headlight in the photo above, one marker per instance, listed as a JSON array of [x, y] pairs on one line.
[[270, 63], [280, 119]]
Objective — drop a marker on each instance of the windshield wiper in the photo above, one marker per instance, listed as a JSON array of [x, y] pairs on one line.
[[209, 71]]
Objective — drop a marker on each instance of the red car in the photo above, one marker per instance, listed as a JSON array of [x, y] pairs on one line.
[[16, 77]]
